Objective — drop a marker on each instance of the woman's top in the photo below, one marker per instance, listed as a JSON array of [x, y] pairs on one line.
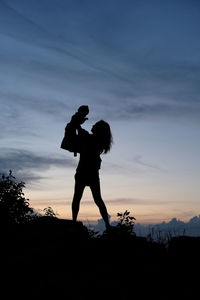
[[89, 150], [86, 144]]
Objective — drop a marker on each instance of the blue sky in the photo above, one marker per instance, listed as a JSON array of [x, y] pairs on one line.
[[137, 65]]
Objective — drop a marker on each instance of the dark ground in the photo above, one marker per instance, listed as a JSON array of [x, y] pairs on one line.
[[55, 258]]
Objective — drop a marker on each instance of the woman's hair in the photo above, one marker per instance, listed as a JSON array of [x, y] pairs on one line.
[[102, 131]]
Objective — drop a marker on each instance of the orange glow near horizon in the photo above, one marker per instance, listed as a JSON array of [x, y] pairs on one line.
[[90, 213]]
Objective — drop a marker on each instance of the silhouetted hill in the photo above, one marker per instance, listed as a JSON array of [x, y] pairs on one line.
[[51, 257]]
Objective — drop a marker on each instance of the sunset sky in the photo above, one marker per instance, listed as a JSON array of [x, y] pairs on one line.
[[136, 63]]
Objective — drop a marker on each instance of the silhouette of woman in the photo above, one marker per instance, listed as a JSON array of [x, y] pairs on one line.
[[90, 147]]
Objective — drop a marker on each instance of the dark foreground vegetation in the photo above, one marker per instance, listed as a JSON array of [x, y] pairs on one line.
[[50, 257], [54, 257]]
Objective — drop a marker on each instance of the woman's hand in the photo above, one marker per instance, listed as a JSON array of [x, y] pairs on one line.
[[77, 119]]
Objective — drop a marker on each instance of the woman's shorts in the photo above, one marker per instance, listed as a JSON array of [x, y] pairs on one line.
[[87, 179]]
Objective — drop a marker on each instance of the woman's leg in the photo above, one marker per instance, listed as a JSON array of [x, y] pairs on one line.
[[78, 192], [96, 192]]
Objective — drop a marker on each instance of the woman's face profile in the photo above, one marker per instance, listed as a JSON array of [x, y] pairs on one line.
[[93, 128]]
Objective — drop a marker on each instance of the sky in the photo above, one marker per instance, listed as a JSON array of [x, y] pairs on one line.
[[136, 63]]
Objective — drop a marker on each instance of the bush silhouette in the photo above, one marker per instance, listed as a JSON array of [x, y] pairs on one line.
[[14, 207]]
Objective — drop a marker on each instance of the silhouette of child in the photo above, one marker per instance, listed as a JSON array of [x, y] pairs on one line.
[[90, 147], [80, 116]]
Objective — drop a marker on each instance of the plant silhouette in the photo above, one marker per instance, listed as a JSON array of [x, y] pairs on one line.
[[14, 207], [126, 222], [49, 212], [90, 147]]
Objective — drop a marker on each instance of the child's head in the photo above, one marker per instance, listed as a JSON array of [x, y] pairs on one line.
[[103, 133], [83, 110], [80, 116]]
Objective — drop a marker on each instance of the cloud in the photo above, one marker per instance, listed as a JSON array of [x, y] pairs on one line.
[[175, 227], [130, 201], [26, 102], [114, 65], [139, 160], [27, 165]]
